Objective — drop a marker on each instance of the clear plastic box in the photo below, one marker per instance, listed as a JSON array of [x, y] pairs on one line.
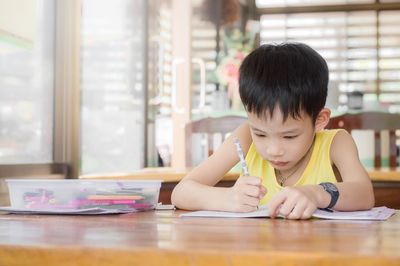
[[72, 194]]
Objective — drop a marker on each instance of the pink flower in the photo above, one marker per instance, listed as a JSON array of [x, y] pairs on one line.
[[232, 72], [228, 70]]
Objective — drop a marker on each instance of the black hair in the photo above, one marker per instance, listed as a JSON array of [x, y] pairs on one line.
[[292, 76]]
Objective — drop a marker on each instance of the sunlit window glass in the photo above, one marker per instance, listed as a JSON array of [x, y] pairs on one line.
[[112, 85], [26, 81]]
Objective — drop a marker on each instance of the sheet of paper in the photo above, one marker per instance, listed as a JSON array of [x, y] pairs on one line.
[[261, 212], [89, 211], [377, 213]]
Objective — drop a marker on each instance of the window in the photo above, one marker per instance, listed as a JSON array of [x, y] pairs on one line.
[[113, 85], [359, 39], [42, 120], [26, 81], [203, 64]]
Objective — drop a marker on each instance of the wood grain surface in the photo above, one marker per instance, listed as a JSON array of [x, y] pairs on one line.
[[162, 238]]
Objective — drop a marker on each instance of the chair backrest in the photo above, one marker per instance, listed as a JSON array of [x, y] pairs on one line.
[[210, 127], [376, 121]]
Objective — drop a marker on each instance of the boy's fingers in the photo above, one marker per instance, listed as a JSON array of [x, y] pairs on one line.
[[297, 211], [308, 212], [252, 180], [288, 207], [275, 203], [253, 191], [249, 180], [263, 191], [248, 208], [251, 201]]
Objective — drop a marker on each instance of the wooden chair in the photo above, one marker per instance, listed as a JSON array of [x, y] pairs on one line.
[[210, 127], [376, 121]]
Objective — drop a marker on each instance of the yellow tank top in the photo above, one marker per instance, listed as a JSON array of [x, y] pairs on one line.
[[318, 170]]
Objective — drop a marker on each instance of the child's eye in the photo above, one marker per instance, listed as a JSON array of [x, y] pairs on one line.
[[259, 135], [290, 137]]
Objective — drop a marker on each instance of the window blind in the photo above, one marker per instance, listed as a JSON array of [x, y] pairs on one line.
[[361, 48]]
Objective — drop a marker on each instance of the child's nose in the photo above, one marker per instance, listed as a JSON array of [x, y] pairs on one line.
[[274, 150]]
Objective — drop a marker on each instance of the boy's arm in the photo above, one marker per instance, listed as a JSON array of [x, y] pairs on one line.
[[196, 190], [355, 192]]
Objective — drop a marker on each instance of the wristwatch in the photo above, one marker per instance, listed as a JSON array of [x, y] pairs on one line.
[[333, 191]]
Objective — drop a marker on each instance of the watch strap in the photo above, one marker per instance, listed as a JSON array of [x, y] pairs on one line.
[[333, 191]]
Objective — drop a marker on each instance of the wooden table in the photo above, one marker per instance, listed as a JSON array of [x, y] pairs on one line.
[[162, 238], [386, 182]]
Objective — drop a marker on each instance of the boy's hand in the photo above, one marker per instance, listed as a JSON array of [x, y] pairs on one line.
[[246, 194], [293, 203]]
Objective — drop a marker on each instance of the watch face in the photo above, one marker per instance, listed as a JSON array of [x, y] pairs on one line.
[[331, 187]]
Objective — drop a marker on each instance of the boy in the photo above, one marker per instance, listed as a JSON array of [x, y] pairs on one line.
[[294, 164]]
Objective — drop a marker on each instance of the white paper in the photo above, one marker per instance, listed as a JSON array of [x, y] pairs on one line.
[[89, 211], [377, 213], [261, 212]]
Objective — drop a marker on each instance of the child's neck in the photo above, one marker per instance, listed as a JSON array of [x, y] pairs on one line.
[[291, 176]]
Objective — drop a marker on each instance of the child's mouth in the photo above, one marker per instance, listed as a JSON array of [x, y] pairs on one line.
[[278, 163]]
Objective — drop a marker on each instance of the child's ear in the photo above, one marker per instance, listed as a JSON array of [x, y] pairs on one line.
[[322, 119]]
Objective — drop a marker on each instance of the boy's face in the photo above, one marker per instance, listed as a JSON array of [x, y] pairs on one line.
[[283, 144]]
